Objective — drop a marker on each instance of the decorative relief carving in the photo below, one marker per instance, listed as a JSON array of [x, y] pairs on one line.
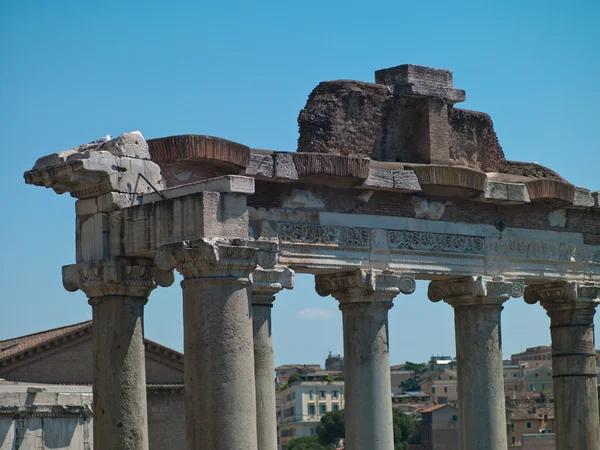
[[435, 242], [423, 241], [475, 290], [515, 247], [324, 235]]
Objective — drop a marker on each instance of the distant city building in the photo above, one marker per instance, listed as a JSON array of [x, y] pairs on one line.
[[437, 362], [441, 385], [282, 373], [437, 429], [303, 402], [529, 420], [334, 363], [534, 356]]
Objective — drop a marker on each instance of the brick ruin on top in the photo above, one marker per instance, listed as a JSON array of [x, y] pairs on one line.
[[390, 183]]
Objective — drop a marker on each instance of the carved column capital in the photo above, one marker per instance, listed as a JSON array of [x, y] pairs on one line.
[[571, 297], [210, 258], [116, 276], [268, 282], [476, 290], [364, 286]]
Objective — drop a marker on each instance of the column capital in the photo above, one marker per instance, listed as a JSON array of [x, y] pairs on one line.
[[565, 296], [210, 258], [475, 290], [116, 276], [364, 286], [268, 282]]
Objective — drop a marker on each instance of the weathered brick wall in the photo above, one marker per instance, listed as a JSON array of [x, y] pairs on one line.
[[166, 421]]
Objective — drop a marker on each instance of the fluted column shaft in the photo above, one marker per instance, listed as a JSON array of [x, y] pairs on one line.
[[477, 303], [218, 343], [571, 308], [265, 284], [365, 298], [117, 289]]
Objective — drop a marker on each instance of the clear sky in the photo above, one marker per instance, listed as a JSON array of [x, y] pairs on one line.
[[73, 71]]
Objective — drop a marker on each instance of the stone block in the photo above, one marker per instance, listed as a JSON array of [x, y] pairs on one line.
[[94, 238], [261, 165], [285, 167], [411, 73], [596, 197], [86, 207], [498, 191], [583, 198], [406, 180], [380, 178]]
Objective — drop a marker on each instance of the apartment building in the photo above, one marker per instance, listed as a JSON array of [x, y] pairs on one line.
[[302, 403], [534, 356], [529, 420], [440, 385]]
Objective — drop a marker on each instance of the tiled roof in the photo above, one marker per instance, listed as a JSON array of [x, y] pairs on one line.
[[19, 348], [528, 413], [29, 342], [434, 408]]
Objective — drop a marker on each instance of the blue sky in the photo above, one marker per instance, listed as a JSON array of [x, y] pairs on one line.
[[73, 71]]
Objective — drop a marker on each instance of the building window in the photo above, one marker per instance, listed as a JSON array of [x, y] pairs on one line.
[[294, 395], [322, 394], [323, 408], [514, 375], [334, 394], [311, 409], [528, 425], [545, 417], [433, 389], [311, 395], [516, 387], [445, 389], [512, 426], [531, 387], [312, 431], [335, 407], [514, 441]]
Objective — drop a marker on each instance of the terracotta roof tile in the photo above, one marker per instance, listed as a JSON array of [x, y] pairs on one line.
[[434, 408]]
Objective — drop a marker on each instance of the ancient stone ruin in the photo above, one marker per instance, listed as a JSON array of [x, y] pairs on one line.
[[390, 183]]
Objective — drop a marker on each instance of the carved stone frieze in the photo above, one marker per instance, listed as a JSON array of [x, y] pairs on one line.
[[324, 235], [515, 247], [476, 290], [268, 282], [364, 286], [211, 258], [117, 276], [435, 242]]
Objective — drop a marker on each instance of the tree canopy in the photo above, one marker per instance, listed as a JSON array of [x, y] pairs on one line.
[[306, 443], [332, 428]]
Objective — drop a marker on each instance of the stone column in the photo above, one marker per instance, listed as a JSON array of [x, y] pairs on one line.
[[265, 284], [365, 297], [117, 289], [220, 390], [571, 307], [477, 303]]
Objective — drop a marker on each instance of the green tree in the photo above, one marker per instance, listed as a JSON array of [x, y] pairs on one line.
[[332, 427], [306, 443], [404, 427], [293, 378], [413, 383]]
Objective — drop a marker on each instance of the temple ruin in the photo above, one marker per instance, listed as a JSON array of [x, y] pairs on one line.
[[390, 184]]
